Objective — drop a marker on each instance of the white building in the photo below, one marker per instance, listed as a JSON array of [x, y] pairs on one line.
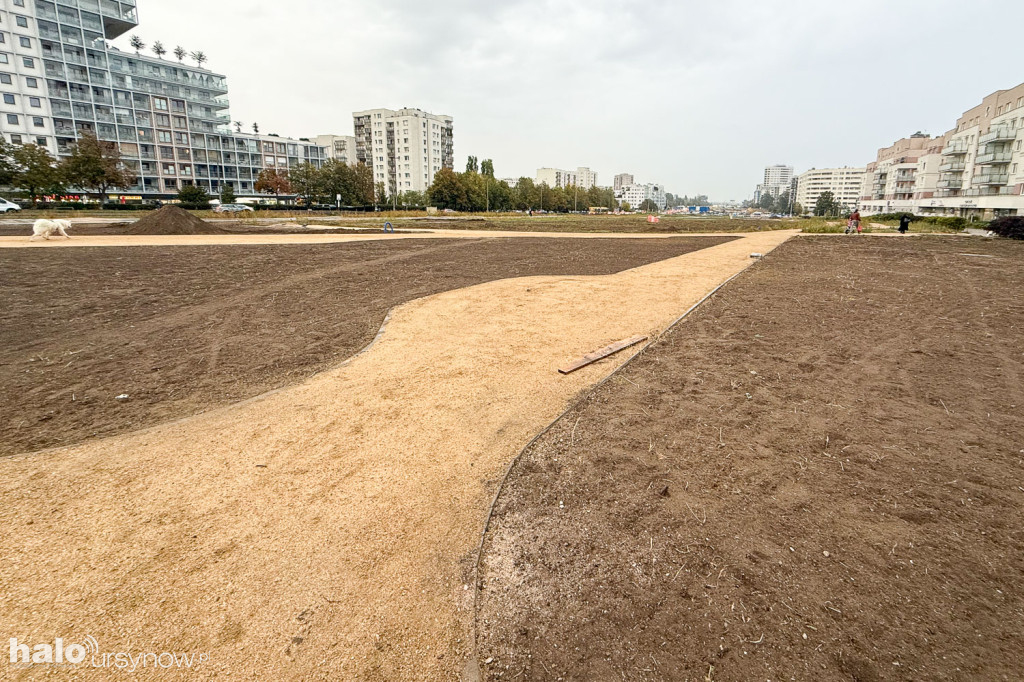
[[844, 183], [405, 147], [339, 147], [582, 177], [778, 179], [585, 178], [636, 194]]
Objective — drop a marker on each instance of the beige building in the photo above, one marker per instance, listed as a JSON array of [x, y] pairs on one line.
[[622, 180], [844, 183], [976, 170], [339, 147], [582, 177]]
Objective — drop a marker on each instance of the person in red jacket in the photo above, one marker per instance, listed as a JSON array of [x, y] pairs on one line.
[[853, 224]]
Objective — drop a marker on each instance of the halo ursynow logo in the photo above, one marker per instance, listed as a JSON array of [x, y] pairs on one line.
[[87, 652]]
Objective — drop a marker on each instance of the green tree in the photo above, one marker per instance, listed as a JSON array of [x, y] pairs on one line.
[[159, 50], [767, 201], [194, 195], [35, 171], [798, 209], [526, 195], [6, 162], [136, 43], [227, 193], [273, 181], [180, 53], [471, 165], [648, 206], [447, 190], [96, 166], [826, 205], [305, 181], [625, 206], [364, 185], [199, 57], [339, 182], [487, 168]]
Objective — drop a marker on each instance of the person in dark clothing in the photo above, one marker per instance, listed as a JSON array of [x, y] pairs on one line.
[[904, 223]]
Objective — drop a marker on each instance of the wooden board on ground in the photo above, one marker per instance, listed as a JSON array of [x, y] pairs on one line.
[[591, 358]]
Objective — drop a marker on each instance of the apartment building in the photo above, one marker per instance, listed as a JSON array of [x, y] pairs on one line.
[[844, 183], [622, 180], [338, 147], [636, 194], [975, 170], [59, 77], [778, 179], [585, 178], [405, 147]]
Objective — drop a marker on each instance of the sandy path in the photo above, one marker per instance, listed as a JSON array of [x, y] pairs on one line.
[[325, 531], [321, 238]]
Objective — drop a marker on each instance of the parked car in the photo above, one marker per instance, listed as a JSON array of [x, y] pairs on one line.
[[6, 206], [232, 208]]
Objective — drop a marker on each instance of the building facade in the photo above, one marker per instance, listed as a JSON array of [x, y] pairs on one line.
[[778, 179], [844, 183], [338, 148], [404, 147], [636, 194], [622, 180], [975, 170], [59, 78]]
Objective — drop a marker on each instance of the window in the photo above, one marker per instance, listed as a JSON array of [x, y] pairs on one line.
[[3, 38], [12, 119], [28, 62], [160, 103], [32, 82], [25, 42], [35, 102], [16, 139], [168, 169], [41, 141], [21, 21], [163, 135], [19, 3], [37, 121], [8, 99], [3, 58]]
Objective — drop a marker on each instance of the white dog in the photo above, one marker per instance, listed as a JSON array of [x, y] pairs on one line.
[[47, 228]]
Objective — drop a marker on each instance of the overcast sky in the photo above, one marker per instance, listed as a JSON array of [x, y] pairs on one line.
[[698, 95]]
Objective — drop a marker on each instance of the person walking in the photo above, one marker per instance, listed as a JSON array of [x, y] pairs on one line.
[[904, 223], [853, 224]]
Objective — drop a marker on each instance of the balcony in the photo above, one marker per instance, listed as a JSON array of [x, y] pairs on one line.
[[953, 167], [950, 184], [955, 149], [994, 158], [991, 179], [998, 134]]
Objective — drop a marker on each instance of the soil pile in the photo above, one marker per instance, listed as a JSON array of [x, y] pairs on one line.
[[173, 220]]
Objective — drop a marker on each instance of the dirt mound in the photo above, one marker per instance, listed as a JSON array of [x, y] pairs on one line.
[[173, 220]]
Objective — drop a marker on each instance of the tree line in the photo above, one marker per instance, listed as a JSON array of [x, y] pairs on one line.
[[93, 165], [477, 190]]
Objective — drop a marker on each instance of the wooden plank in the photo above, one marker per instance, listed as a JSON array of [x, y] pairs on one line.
[[591, 358]]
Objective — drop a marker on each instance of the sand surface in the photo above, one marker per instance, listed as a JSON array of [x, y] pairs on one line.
[[326, 531]]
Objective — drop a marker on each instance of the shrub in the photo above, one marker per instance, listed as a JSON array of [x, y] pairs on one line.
[[1011, 227]]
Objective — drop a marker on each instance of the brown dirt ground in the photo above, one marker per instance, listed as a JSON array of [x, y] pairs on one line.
[[182, 329], [818, 476], [125, 228]]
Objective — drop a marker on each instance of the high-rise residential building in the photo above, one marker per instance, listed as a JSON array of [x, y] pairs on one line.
[[585, 178], [844, 183], [975, 170], [622, 180], [338, 147], [405, 147], [778, 179], [636, 194], [582, 177], [59, 77], [555, 177]]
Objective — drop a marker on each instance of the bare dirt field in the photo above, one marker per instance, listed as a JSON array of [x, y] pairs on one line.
[[818, 476], [179, 330]]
